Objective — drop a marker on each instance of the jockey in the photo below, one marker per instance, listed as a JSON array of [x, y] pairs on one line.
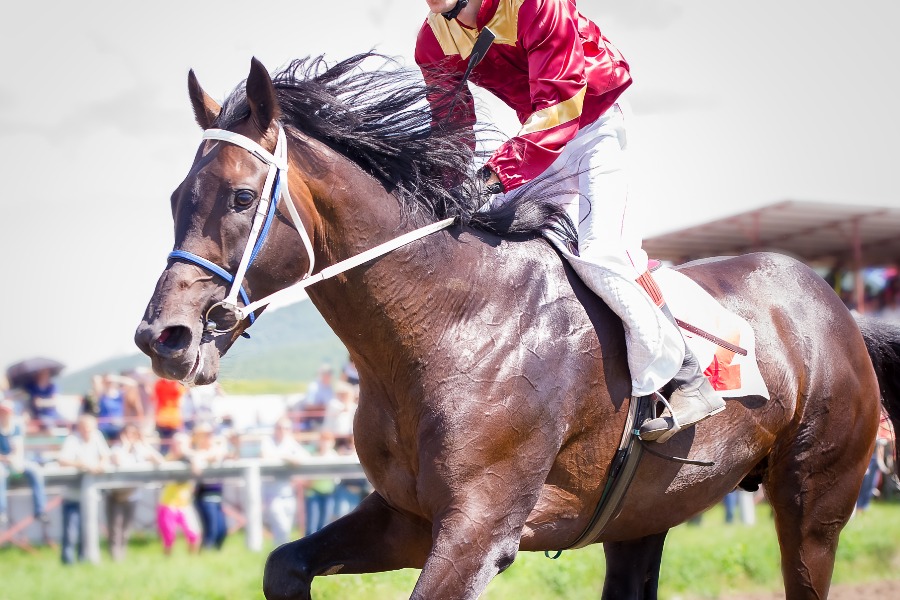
[[563, 78]]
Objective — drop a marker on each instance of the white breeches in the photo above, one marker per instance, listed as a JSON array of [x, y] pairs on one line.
[[593, 172], [594, 192]]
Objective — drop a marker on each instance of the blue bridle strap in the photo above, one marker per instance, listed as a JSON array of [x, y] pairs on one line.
[[214, 268], [276, 193]]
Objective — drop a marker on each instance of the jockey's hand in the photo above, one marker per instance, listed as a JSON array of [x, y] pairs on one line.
[[492, 183]]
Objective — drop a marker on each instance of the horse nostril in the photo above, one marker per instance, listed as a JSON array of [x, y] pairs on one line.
[[174, 338]]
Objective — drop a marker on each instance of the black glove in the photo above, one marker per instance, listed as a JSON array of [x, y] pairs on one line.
[[494, 188]]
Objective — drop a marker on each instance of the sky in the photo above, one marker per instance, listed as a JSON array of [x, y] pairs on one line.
[[735, 105]]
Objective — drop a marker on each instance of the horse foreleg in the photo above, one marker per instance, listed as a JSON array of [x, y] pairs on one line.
[[632, 568], [472, 545], [372, 538]]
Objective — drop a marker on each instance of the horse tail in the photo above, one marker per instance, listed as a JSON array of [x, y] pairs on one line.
[[883, 343]]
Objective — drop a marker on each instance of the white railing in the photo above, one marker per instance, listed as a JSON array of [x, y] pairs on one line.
[[250, 471]]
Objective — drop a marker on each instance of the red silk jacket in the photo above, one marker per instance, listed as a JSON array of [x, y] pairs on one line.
[[548, 62]]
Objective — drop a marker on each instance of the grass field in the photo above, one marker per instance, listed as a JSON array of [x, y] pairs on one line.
[[701, 561]]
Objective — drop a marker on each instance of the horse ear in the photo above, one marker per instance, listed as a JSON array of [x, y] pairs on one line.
[[261, 96], [205, 108]]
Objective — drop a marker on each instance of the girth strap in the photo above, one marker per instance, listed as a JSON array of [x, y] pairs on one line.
[[621, 472]]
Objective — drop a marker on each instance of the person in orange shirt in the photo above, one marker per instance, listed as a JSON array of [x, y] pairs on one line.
[[168, 395]]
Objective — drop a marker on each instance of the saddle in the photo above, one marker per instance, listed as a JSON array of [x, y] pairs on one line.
[[718, 338]]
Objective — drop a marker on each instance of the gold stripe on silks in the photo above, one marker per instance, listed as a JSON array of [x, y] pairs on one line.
[[505, 22], [456, 39], [453, 38], [550, 117]]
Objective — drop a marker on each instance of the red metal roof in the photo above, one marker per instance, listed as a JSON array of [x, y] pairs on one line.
[[815, 232]]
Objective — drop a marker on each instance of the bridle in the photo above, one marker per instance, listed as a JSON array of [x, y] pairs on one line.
[[275, 187]]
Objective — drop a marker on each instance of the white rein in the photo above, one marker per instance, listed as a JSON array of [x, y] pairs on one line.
[[277, 184]]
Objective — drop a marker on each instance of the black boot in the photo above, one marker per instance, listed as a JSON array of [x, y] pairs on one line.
[[693, 400]]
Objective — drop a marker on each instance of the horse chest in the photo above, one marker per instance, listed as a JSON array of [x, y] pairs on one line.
[[390, 465]]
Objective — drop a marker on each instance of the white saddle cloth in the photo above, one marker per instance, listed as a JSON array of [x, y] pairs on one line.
[[732, 374], [655, 346]]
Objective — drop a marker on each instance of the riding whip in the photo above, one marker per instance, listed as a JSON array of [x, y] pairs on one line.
[[482, 43]]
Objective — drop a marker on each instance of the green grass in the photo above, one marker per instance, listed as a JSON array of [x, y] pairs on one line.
[[702, 561], [251, 387]]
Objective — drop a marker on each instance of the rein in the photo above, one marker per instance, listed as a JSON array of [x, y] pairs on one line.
[[275, 187]]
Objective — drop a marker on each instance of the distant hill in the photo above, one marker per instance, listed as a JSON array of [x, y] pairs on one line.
[[285, 345]]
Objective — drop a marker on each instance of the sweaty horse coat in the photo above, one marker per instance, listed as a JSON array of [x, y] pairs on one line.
[[492, 400]]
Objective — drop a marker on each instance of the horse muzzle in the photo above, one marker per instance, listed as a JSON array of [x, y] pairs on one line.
[[176, 351]]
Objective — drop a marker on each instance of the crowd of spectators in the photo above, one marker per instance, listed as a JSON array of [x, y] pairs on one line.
[[135, 419], [880, 290]]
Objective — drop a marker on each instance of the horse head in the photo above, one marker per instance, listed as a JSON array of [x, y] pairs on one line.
[[185, 328], [366, 166]]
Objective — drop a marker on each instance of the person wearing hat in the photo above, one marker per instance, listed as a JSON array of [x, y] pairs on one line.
[[13, 463]]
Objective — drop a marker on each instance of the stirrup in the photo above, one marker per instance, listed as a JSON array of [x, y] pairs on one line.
[[667, 434]]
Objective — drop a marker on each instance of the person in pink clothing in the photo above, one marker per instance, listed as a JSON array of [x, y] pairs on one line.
[[564, 79], [175, 509]]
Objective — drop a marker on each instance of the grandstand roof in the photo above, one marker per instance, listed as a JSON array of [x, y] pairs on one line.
[[815, 232]]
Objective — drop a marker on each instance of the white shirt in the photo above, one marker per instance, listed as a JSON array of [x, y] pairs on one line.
[[91, 452], [288, 447], [339, 417]]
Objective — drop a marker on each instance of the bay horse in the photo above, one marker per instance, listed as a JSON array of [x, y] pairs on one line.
[[493, 385]]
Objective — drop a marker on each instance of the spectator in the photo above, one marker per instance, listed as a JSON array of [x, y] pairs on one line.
[[209, 449], [174, 509], [891, 309], [319, 393], [110, 406], [233, 442], [130, 450], [13, 463], [278, 495], [133, 408], [19, 399], [349, 372], [742, 501], [42, 400], [86, 450], [340, 411], [348, 493], [319, 493], [877, 465], [199, 402], [169, 395], [144, 381]]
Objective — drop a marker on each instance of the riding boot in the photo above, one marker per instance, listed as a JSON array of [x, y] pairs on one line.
[[693, 400]]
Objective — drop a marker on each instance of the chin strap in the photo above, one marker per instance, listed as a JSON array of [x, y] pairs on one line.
[[454, 12]]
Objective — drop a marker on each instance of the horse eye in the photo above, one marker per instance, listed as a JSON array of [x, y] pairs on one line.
[[244, 198]]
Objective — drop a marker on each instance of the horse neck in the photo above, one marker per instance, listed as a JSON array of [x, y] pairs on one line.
[[355, 214]]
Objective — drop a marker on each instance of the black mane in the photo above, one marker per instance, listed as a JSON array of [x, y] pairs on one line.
[[381, 120]]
